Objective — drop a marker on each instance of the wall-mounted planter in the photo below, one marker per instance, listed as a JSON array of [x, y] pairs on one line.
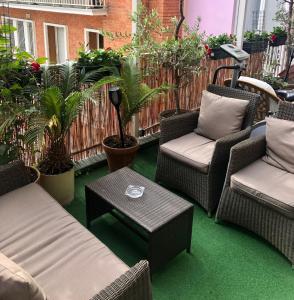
[[255, 47], [279, 41], [218, 53]]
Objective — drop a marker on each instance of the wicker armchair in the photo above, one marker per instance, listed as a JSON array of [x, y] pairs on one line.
[[204, 188], [250, 211], [268, 103]]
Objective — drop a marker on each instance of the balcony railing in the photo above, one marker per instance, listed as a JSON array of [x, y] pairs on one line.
[[68, 3]]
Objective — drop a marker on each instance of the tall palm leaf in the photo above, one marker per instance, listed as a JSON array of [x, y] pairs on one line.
[[135, 93], [52, 123]]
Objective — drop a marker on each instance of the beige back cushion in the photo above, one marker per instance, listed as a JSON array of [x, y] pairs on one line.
[[280, 144], [16, 283], [220, 116]]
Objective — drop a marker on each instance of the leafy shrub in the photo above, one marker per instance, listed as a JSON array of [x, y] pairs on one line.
[[99, 57], [252, 36], [215, 41]]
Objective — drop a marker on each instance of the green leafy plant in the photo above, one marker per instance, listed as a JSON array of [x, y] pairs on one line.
[[276, 82], [253, 36], [279, 31], [179, 51], [182, 56], [215, 41], [135, 94], [60, 103], [99, 57], [19, 88], [284, 16]]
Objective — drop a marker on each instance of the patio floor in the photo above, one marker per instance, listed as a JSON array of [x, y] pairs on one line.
[[226, 261]]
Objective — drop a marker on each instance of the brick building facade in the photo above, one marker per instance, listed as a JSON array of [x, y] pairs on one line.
[[59, 34]]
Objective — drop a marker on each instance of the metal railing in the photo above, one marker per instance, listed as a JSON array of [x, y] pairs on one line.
[[72, 3]]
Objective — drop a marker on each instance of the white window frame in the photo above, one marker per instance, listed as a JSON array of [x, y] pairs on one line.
[[26, 33], [45, 26], [86, 36]]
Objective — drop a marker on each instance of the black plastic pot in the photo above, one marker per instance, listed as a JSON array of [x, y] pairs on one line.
[[218, 53], [280, 40], [255, 47]]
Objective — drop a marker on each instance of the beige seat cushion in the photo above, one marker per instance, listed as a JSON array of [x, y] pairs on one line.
[[280, 144], [16, 283], [192, 149], [220, 116], [267, 184], [67, 261]]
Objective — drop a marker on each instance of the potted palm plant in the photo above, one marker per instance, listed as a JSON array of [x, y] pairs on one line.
[[60, 103], [128, 94]]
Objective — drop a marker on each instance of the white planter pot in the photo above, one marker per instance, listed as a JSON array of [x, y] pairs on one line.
[[61, 187]]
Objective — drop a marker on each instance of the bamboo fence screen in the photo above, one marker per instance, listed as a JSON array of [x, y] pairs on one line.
[[98, 120]]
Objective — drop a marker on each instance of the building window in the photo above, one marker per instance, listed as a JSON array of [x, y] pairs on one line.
[[56, 43], [93, 39], [24, 36]]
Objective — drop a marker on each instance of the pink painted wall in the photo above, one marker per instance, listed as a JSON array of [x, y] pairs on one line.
[[216, 15]]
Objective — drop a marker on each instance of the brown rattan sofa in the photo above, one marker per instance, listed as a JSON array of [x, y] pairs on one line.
[[66, 260], [263, 210], [204, 186]]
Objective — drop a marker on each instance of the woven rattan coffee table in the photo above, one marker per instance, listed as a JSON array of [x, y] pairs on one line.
[[164, 219]]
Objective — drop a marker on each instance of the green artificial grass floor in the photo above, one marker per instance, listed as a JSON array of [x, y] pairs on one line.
[[226, 261]]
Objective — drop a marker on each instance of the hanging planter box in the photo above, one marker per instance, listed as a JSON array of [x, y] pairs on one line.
[[218, 53], [279, 41], [255, 47]]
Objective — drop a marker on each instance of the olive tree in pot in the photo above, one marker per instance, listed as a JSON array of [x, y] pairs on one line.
[[129, 95], [60, 103], [181, 54]]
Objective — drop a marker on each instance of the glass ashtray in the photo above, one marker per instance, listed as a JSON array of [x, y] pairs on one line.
[[135, 191]]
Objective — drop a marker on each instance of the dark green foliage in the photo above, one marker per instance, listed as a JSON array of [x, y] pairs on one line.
[[215, 41], [252, 36], [60, 103], [279, 31], [19, 88]]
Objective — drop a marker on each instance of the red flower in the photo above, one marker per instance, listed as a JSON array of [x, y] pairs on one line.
[[273, 37], [208, 49], [35, 66]]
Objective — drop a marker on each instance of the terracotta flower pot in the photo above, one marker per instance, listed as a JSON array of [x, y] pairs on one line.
[[118, 158], [60, 186]]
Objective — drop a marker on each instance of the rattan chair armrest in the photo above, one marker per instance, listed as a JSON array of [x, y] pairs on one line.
[[177, 126], [13, 176], [224, 145], [245, 153], [135, 284]]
